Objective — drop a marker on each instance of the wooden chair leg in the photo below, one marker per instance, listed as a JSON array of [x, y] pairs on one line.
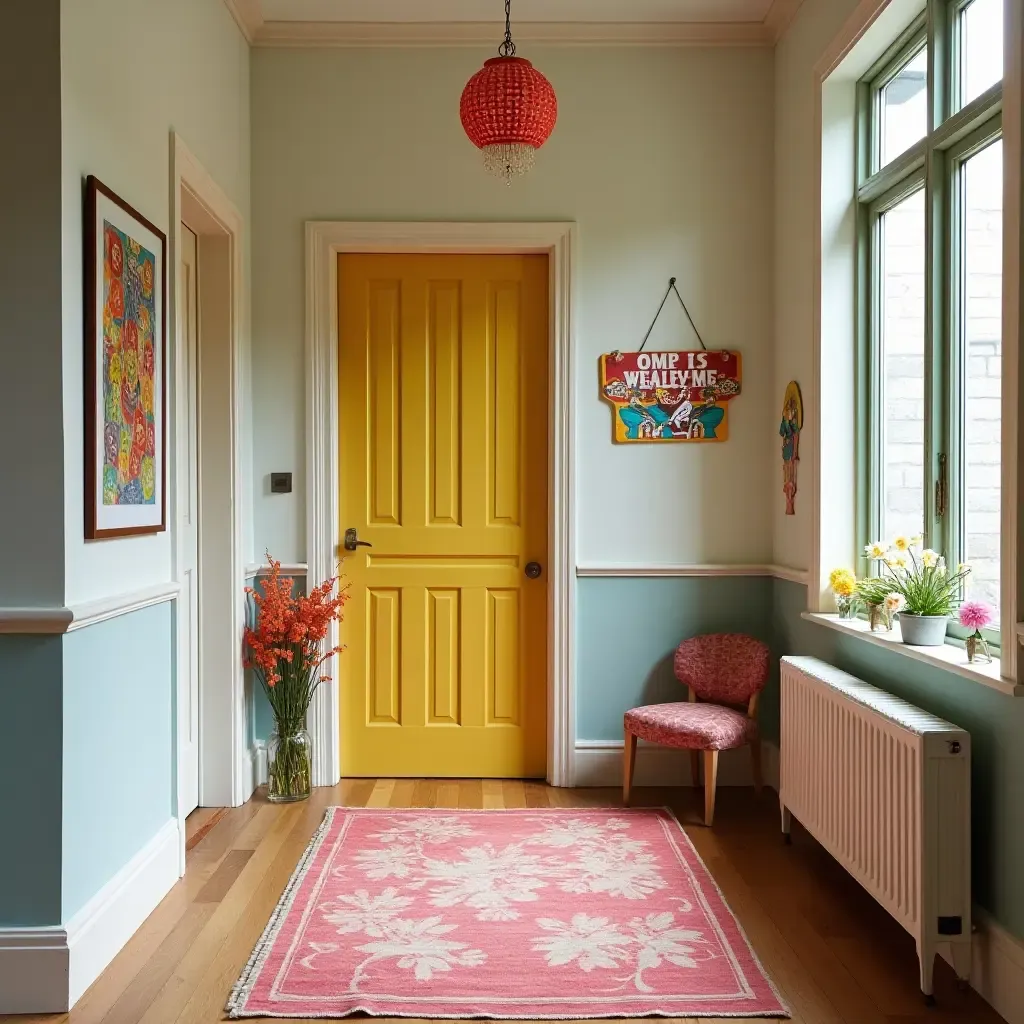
[[755, 757], [628, 760], [695, 767], [710, 785]]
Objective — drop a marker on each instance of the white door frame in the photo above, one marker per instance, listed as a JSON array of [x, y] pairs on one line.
[[225, 777], [325, 240]]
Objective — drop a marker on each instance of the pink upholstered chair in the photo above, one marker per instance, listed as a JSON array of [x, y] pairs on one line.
[[726, 668]]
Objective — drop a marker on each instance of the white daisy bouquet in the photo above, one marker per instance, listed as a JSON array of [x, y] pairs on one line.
[[918, 577]]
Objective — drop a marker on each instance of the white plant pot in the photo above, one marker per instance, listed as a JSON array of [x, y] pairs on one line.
[[923, 630]]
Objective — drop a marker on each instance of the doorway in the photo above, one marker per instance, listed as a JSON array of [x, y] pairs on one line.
[[443, 366], [212, 767]]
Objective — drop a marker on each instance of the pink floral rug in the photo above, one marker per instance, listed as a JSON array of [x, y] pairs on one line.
[[505, 914]]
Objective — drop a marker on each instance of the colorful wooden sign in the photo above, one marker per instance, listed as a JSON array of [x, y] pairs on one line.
[[789, 431], [670, 396]]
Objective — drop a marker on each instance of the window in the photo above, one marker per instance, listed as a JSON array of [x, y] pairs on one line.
[[981, 241], [930, 289], [981, 48], [903, 108], [901, 365]]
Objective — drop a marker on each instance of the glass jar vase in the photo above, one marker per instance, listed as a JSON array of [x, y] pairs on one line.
[[289, 763], [846, 606], [879, 618], [977, 649]]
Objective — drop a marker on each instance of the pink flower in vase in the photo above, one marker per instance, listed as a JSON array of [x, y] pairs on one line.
[[975, 615]]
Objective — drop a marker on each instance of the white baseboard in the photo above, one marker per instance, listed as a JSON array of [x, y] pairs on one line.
[[249, 782], [599, 763], [47, 969], [102, 928], [260, 762], [997, 967], [34, 969], [254, 767]]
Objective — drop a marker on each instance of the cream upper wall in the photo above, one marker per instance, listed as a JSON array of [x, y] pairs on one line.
[[133, 72], [815, 26], [662, 157]]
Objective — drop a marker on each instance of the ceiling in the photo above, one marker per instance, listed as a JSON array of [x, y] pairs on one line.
[[455, 22]]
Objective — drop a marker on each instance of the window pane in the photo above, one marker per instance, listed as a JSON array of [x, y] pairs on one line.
[[981, 47], [904, 109], [982, 335], [902, 367]]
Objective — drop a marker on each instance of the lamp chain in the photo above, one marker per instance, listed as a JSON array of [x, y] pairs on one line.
[[508, 48]]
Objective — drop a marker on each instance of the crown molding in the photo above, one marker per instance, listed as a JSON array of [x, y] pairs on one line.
[[248, 16], [358, 34], [779, 17]]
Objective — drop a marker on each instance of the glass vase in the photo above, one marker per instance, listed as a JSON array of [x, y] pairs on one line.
[[289, 764], [977, 649], [846, 606], [879, 619]]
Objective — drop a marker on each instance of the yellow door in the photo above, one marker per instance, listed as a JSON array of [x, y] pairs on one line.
[[443, 395]]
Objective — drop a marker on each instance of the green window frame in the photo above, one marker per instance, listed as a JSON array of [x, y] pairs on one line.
[[934, 165]]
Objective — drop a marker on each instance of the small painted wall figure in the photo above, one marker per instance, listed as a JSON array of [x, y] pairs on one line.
[[789, 431]]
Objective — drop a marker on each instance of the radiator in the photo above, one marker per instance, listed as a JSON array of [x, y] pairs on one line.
[[886, 788]]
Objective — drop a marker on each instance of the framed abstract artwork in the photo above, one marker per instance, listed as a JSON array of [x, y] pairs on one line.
[[125, 368]]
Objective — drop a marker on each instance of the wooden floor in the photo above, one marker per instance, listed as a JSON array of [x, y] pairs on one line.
[[832, 951]]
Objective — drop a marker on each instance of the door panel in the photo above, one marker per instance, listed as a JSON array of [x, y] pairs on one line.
[[443, 366]]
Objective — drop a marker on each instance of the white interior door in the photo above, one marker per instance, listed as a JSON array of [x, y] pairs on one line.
[[188, 602]]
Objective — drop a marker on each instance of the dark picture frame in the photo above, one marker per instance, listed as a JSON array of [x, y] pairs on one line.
[[125, 368]]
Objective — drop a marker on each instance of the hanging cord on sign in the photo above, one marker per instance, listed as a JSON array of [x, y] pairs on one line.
[[508, 48], [672, 288]]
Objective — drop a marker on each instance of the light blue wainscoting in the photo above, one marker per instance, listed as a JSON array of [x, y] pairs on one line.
[[30, 780], [996, 725], [119, 750], [627, 630]]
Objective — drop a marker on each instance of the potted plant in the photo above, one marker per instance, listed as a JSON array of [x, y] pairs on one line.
[[844, 588], [284, 647], [929, 591]]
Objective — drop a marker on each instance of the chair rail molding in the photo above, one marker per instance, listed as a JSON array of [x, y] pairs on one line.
[[325, 241], [664, 570], [255, 569], [69, 618]]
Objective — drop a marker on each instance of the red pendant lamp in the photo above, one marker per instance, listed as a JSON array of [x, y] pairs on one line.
[[508, 109]]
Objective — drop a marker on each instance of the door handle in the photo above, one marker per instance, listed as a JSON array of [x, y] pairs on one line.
[[533, 570], [352, 540]]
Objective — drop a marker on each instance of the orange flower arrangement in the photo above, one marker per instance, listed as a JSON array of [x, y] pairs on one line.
[[284, 646]]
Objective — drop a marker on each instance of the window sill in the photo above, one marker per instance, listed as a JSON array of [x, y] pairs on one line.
[[948, 657]]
